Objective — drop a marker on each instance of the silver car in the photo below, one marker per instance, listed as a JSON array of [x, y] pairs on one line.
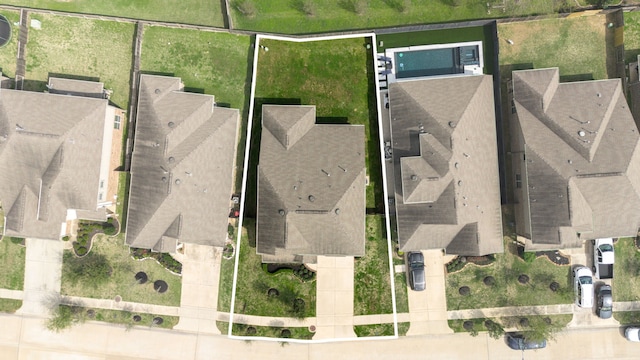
[[605, 302], [415, 261]]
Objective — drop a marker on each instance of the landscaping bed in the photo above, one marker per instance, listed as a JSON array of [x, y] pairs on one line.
[[88, 229], [164, 259]]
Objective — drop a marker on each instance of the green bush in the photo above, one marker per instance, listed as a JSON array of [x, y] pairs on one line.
[[529, 257], [65, 238], [94, 269], [81, 250], [109, 229]]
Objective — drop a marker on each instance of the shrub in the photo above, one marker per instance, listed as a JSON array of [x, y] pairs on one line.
[[92, 268], [81, 250], [109, 230], [65, 238]]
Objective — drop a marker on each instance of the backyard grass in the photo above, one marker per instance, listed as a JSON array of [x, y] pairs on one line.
[[9, 52], [12, 259], [372, 283], [575, 45], [199, 12], [10, 305], [631, 36], [626, 282], [334, 75], [122, 199], [293, 17], [507, 290], [254, 282], [122, 281], [81, 49]]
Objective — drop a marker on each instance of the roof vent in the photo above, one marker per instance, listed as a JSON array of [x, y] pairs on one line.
[[581, 133], [171, 124], [414, 177], [459, 182], [452, 124], [456, 165], [164, 179], [312, 198], [178, 181], [599, 95], [570, 161], [337, 211], [281, 212], [158, 91], [172, 159]]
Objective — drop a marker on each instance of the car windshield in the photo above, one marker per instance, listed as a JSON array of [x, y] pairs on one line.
[[606, 247], [585, 280]]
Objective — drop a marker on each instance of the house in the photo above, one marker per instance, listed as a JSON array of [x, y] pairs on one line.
[[576, 158], [445, 161], [311, 187], [182, 167], [56, 160]]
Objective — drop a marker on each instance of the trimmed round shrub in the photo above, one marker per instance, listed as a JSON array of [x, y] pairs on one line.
[[523, 279], [547, 320], [464, 291], [489, 281], [81, 250], [554, 286], [285, 333], [109, 230], [468, 325], [524, 322], [91, 313], [251, 330], [137, 318], [273, 292]]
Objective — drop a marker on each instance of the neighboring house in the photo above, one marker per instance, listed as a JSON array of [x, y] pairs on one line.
[[576, 158], [182, 167], [311, 187], [56, 160], [445, 162]]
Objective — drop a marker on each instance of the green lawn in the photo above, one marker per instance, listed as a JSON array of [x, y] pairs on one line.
[[122, 201], [507, 291], [631, 36], [336, 76], [126, 318], [626, 282], [12, 255], [81, 49], [200, 12], [253, 283], [226, 284], [627, 317], [372, 283], [402, 298], [10, 305], [380, 329], [265, 331], [283, 16], [539, 326], [9, 52], [122, 281], [576, 45]]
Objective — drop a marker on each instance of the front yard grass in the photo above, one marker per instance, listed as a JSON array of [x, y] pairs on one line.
[[626, 280], [122, 279], [10, 305], [12, 260], [9, 52], [507, 290], [126, 318], [225, 286], [301, 333], [254, 282], [380, 329], [575, 45], [627, 317], [81, 49], [282, 16], [199, 12], [372, 283], [402, 298], [334, 75], [545, 326]]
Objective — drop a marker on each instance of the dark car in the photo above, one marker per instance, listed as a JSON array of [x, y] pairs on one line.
[[416, 270], [519, 341], [605, 302]]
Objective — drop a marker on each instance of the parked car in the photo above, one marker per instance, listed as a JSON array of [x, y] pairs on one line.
[[583, 284], [605, 302], [415, 263], [632, 333], [603, 258], [519, 341]]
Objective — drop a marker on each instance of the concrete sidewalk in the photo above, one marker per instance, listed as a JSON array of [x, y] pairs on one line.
[[110, 304], [11, 294]]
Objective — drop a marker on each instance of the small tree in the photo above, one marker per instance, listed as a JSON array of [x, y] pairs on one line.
[[494, 329], [64, 317], [92, 268]]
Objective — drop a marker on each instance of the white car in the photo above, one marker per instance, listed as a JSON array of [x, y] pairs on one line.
[[583, 283], [632, 333]]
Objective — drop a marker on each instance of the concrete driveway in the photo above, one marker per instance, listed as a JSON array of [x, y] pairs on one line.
[[334, 297], [428, 308], [42, 276], [200, 279]]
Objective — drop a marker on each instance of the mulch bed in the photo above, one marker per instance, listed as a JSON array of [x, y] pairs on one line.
[[555, 257]]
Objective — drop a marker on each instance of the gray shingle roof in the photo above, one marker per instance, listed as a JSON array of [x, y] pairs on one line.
[[50, 154], [446, 165], [182, 167], [311, 186], [582, 152], [76, 87]]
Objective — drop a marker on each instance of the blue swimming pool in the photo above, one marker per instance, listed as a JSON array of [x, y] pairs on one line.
[[430, 62]]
